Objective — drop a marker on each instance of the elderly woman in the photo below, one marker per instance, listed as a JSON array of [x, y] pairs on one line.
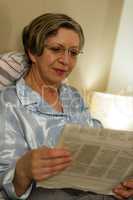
[[36, 109]]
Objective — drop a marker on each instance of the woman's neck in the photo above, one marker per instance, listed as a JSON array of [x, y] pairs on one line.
[[47, 92]]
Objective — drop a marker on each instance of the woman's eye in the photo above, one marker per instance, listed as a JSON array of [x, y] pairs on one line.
[[74, 53], [56, 49]]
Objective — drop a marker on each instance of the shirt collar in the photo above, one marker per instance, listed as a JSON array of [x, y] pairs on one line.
[[26, 95], [33, 101]]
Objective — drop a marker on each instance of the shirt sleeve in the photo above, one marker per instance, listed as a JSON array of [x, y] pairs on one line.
[[9, 188], [84, 112], [92, 122], [12, 146]]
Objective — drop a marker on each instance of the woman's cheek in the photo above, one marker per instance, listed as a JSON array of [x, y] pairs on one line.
[[50, 59]]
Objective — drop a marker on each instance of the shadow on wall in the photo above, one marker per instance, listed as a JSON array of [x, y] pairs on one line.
[[5, 28]]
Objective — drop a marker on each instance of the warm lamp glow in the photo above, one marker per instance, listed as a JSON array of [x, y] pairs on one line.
[[114, 111]]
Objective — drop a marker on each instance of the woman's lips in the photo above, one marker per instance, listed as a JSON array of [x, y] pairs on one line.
[[60, 72]]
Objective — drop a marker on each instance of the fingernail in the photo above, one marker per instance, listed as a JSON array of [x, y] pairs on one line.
[[115, 190], [125, 183]]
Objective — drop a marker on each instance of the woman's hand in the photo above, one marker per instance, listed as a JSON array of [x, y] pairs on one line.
[[124, 190], [38, 165]]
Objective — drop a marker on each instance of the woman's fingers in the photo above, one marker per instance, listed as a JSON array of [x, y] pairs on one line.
[[123, 193], [128, 184], [55, 161], [49, 157], [47, 153], [53, 153], [44, 173], [47, 162], [124, 190]]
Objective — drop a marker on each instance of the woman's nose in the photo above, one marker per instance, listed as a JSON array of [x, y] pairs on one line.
[[65, 57]]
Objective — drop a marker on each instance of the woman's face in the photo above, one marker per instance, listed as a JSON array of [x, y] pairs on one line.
[[58, 58]]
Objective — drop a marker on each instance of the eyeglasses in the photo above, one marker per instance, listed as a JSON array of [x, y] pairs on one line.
[[61, 50]]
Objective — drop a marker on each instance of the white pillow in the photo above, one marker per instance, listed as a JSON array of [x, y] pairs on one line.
[[12, 66]]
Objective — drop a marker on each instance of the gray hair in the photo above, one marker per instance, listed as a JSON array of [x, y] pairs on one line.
[[35, 34]]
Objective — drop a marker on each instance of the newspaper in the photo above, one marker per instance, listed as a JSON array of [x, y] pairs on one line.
[[102, 158]]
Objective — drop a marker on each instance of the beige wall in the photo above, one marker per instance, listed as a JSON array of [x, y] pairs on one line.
[[100, 20], [121, 75]]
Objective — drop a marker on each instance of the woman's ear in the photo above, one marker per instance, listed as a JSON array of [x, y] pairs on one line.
[[32, 57]]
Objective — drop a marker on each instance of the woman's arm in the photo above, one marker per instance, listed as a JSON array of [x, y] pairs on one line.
[[12, 146], [20, 166], [39, 165]]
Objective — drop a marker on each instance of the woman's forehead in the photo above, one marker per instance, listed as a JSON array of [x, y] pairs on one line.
[[65, 36]]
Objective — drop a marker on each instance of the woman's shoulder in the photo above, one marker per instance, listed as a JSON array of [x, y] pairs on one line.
[[72, 98], [8, 95], [70, 90]]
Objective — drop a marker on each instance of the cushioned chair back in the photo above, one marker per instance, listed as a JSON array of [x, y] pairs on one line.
[[12, 66]]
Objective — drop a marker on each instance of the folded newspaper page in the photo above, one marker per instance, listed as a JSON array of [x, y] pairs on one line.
[[102, 158]]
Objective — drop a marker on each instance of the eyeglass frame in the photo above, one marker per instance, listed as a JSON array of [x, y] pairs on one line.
[[61, 50]]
